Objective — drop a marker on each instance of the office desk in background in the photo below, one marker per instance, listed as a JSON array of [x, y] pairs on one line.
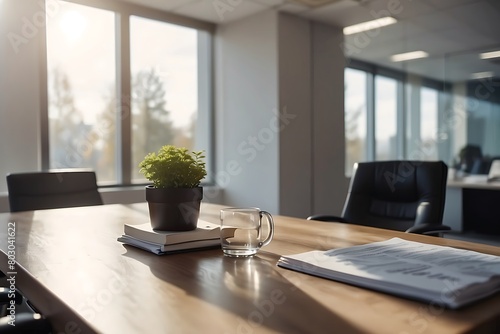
[[473, 205], [84, 281]]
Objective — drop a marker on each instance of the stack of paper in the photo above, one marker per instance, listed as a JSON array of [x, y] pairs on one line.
[[494, 173], [162, 242], [437, 274]]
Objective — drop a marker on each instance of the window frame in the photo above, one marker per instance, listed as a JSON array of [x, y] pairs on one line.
[[123, 12]]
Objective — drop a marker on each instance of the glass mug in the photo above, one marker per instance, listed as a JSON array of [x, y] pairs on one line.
[[241, 231]]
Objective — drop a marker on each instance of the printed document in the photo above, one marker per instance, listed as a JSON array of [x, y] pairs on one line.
[[442, 275]]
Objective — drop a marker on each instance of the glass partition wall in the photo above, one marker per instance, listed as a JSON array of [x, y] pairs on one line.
[[442, 104]]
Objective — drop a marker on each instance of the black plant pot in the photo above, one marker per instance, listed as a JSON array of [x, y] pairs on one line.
[[174, 209]]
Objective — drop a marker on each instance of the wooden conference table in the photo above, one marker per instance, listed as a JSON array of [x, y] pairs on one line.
[[75, 272]]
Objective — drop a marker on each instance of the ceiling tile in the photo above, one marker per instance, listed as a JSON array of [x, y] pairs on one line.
[[340, 14], [161, 4], [468, 39], [399, 9], [220, 11], [271, 3], [316, 3], [480, 17], [293, 8], [436, 21], [432, 43], [444, 4]]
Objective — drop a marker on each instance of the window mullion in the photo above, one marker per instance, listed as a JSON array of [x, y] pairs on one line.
[[123, 79], [400, 129], [44, 104], [370, 117]]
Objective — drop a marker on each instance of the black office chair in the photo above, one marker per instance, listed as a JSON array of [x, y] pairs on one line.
[[38, 191], [18, 316], [52, 189], [398, 195]]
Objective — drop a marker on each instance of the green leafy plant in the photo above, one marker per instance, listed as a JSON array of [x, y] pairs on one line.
[[174, 167]]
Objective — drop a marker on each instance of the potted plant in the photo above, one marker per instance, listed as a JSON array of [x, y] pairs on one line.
[[174, 197]]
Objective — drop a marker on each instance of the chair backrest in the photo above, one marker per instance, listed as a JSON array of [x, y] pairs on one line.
[[396, 195], [49, 190]]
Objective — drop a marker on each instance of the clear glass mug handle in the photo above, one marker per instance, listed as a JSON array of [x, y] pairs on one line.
[[270, 222]]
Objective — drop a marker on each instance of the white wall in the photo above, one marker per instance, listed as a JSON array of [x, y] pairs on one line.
[[272, 61], [246, 104], [19, 82], [295, 88], [328, 62], [19, 89]]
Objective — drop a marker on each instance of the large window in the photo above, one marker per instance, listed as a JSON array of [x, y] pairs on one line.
[[429, 123], [81, 89], [164, 86], [392, 116], [120, 85], [355, 117], [385, 118]]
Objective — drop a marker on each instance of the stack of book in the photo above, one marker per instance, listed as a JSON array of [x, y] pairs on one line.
[[206, 235]]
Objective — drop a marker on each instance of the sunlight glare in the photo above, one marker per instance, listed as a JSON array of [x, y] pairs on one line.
[[73, 24]]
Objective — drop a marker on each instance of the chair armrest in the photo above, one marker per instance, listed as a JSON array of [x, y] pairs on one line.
[[428, 229], [26, 322], [327, 218]]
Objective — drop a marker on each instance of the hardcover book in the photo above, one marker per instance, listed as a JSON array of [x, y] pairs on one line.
[[161, 242]]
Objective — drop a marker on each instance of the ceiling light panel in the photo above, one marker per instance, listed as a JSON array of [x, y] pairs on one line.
[[489, 55], [482, 75], [409, 56], [369, 25]]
